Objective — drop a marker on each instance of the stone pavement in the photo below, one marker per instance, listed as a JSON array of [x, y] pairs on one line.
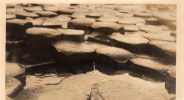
[[138, 38]]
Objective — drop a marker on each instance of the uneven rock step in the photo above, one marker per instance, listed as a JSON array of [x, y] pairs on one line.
[[166, 18], [81, 23], [162, 36], [150, 63], [132, 89], [94, 94], [10, 16], [60, 21], [19, 22], [46, 13], [152, 28], [134, 39], [50, 32], [69, 47], [143, 14], [33, 8], [170, 82], [93, 15], [14, 70], [130, 28], [108, 19], [78, 15], [131, 21], [24, 14], [13, 86], [107, 27], [152, 21], [168, 47], [116, 54]]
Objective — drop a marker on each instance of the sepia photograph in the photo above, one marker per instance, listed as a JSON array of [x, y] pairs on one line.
[[90, 51]]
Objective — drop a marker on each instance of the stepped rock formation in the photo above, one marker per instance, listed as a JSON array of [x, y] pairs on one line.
[[62, 39]]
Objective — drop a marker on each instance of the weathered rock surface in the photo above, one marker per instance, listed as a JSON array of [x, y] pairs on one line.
[[13, 86], [129, 38], [77, 38], [14, 70]]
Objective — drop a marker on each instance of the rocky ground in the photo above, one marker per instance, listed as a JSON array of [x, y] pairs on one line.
[[90, 52]]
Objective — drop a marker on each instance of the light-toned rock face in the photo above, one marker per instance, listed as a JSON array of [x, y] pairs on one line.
[[129, 38], [12, 86], [13, 70], [77, 38], [95, 85]]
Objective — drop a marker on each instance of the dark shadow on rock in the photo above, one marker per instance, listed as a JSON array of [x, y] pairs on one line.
[[160, 55]]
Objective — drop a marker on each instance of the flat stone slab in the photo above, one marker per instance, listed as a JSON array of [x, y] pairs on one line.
[[70, 47], [56, 21], [71, 32], [108, 27], [130, 88], [118, 54], [45, 13], [33, 8], [108, 19], [133, 39], [165, 45], [81, 23], [36, 21], [10, 16], [48, 32], [93, 15], [150, 63], [20, 22], [131, 21], [162, 36], [26, 14], [152, 28], [13, 86], [130, 28], [143, 14], [14, 70], [170, 81]]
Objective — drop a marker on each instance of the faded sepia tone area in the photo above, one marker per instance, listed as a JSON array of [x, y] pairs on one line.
[[90, 52]]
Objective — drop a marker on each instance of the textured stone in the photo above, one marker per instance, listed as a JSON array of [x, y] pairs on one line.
[[81, 23], [131, 21], [32, 9], [108, 19], [14, 70], [164, 45], [46, 13], [16, 22], [129, 38], [150, 63], [71, 32], [36, 21], [170, 81], [151, 28], [13, 86], [162, 36], [93, 15], [10, 16], [117, 54], [78, 15], [130, 28], [143, 14], [56, 21], [48, 32], [107, 27], [130, 88], [24, 14], [69, 47]]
